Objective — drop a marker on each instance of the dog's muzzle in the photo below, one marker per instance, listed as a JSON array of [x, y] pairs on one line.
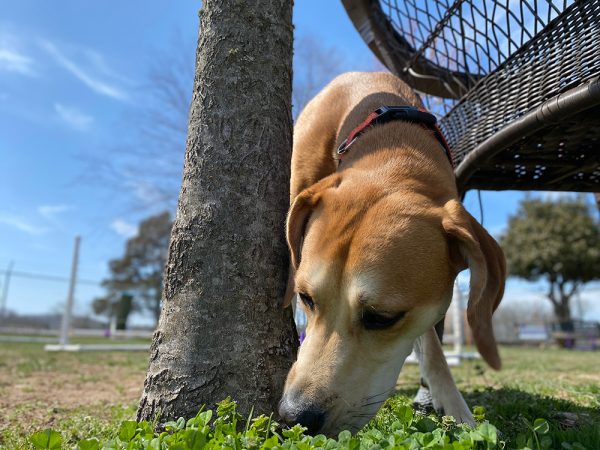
[[293, 409]]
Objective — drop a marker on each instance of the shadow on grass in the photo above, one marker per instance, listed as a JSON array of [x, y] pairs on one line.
[[511, 409]]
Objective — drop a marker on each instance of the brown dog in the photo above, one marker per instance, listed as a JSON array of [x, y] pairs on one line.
[[376, 244]]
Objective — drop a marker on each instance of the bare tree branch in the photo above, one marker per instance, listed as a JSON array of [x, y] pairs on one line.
[[147, 164], [314, 67]]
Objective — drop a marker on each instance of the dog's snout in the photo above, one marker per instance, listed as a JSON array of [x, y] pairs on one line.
[[309, 416], [312, 419]]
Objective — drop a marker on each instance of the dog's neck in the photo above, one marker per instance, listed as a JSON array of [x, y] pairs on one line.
[[399, 152]]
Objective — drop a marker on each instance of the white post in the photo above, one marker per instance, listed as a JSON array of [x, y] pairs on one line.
[[113, 326], [66, 320], [4, 298], [457, 325], [579, 304]]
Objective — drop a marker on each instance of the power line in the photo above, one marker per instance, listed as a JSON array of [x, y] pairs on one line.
[[42, 276]]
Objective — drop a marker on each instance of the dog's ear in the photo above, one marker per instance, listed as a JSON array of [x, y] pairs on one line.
[[300, 212], [485, 259]]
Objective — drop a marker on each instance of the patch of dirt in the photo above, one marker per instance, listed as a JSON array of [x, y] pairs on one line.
[[39, 398]]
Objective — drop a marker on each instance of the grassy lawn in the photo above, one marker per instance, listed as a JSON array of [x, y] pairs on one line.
[[559, 385], [88, 394], [80, 394]]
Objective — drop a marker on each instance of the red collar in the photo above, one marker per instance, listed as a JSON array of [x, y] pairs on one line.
[[386, 114]]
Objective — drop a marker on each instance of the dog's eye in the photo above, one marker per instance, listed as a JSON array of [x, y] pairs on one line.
[[374, 321], [307, 300]]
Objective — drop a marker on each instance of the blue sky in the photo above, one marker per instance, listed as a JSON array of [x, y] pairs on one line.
[[71, 76]]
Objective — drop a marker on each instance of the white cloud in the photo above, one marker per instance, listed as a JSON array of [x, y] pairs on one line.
[[21, 224], [123, 228], [13, 61], [584, 305], [49, 211], [12, 56], [551, 196], [83, 74], [73, 117], [587, 303], [148, 193], [99, 63]]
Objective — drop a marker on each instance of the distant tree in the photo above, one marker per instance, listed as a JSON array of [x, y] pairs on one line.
[[116, 305], [558, 241], [139, 273], [314, 67]]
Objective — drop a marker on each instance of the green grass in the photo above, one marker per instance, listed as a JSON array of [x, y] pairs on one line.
[[89, 394], [82, 339], [22, 359], [559, 385], [75, 393], [74, 424]]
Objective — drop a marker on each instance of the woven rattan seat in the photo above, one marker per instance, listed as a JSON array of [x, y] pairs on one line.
[[516, 84]]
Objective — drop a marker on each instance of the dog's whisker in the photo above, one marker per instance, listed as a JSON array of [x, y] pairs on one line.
[[365, 413], [386, 392], [375, 396], [345, 401], [378, 402]]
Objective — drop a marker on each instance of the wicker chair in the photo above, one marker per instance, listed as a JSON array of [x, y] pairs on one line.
[[516, 84]]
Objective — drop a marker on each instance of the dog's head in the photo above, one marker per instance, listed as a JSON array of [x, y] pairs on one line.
[[374, 271]]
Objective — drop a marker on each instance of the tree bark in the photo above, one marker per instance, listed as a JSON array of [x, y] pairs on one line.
[[562, 311], [221, 331], [560, 297]]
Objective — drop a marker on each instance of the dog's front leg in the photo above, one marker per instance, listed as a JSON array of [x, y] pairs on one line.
[[447, 399]]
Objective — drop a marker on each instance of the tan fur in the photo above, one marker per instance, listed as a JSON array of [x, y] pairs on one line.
[[383, 232]]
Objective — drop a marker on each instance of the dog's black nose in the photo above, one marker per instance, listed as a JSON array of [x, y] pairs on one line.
[[312, 419], [308, 416]]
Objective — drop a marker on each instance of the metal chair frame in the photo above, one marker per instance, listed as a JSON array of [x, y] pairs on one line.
[[518, 95]]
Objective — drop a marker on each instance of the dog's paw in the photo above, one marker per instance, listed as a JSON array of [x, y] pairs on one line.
[[455, 406], [423, 401]]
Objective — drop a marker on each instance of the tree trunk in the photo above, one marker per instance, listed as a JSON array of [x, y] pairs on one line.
[[560, 296], [123, 310], [221, 331], [562, 311]]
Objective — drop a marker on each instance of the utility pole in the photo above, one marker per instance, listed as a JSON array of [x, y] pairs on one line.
[[5, 285], [66, 320]]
